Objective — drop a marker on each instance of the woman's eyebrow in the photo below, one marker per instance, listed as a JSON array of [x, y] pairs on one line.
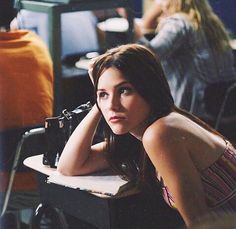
[[117, 85]]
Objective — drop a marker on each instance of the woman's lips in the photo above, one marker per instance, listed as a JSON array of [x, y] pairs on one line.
[[115, 119]]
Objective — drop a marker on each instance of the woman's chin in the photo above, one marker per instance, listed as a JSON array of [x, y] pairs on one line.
[[119, 131]]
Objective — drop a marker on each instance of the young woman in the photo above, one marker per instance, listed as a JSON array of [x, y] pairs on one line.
[[148, 138], [193, 46]]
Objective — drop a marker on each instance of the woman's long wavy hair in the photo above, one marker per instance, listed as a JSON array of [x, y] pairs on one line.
[[203, 17], [143, 70]]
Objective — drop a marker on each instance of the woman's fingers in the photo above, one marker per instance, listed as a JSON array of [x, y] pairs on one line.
[[90, 68]]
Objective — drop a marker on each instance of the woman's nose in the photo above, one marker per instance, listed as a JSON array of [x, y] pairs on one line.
[[114, 103]]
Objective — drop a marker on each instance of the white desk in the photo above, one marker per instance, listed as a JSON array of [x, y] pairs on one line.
[[89, 208], [133, 211], [86, 206], [35, 163], [100, 184]]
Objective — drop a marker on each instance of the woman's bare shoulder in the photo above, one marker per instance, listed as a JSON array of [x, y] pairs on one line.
[[166, 142], [166, 130]]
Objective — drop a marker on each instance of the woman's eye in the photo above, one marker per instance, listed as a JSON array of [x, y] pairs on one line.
[[125, 90], [102, 95]]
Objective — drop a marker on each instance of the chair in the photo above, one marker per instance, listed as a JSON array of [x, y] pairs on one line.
[[13, 152], [226, 119], [220, 104], [32, 142], [225, 108]]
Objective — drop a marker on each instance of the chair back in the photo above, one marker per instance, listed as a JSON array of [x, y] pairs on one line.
[[227, 108], [16, 145], [215, 95], [220, 104]]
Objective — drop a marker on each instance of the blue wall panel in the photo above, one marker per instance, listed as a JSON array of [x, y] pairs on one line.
[[226, 10]]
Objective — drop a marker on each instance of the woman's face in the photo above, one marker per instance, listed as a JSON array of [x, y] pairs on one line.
[[122, 107]]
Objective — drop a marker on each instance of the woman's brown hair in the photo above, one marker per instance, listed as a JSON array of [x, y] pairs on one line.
[[143, 70]]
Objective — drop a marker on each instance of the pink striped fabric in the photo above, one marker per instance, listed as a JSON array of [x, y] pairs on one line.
[[219, 183]]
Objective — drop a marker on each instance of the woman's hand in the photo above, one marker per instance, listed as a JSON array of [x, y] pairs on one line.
[[79, 156], [90, 69]]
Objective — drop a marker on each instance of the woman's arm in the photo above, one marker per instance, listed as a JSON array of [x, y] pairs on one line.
[[150, 18], [79, 156], [171, 35], [167, 149]]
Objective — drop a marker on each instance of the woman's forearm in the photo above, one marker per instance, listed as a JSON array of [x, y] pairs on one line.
[[78, 147], [150, 18]]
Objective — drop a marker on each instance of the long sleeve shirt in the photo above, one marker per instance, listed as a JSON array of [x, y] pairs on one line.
[[189, 63], [26, 80]]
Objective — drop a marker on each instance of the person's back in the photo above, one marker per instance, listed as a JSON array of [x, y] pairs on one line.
[[191, 64], [190, 60], [26, 80]]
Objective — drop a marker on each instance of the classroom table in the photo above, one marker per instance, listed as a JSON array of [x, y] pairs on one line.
[[94, 209], [132, 210]]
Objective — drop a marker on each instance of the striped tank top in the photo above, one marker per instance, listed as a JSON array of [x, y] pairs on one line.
[[219, 183]]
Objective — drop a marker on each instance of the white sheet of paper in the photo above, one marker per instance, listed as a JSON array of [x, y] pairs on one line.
[[105, 185]]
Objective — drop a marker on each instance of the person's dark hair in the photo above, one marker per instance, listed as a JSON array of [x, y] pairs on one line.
[[7, 13], [143, 70]]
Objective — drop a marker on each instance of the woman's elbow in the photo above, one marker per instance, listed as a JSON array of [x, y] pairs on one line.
[[64, 172], [67, 171]]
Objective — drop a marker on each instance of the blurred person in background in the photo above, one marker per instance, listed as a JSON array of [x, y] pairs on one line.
[[194, 49], [26, 75], [151, 17]]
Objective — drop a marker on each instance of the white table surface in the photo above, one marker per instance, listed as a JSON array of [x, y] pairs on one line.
[[36, 163], [100, 183]]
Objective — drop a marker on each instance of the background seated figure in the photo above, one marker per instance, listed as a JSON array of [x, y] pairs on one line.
[[151, 17], [194, 49], [78, 37], [26, 89]]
